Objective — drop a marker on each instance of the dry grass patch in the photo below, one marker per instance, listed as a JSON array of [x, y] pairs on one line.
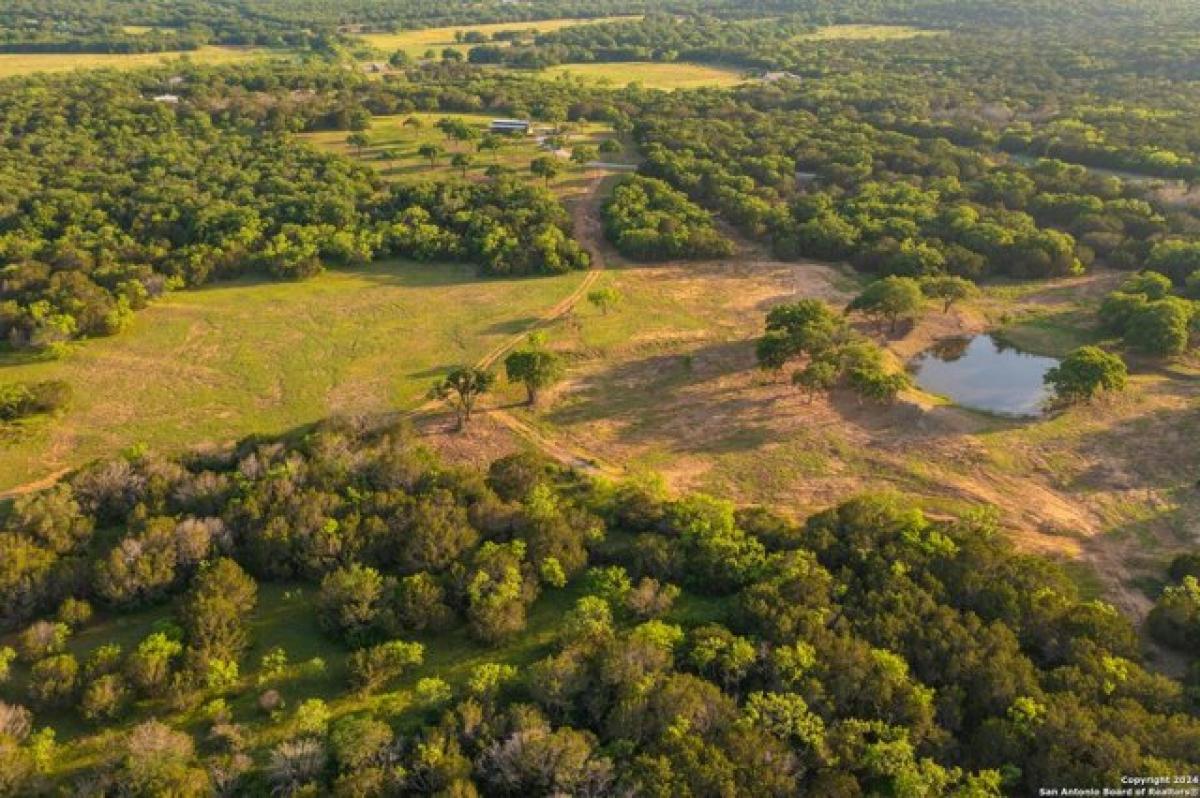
[[12, 64], [416, 42]]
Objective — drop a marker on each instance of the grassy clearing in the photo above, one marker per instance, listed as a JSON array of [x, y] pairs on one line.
[[12, 64], [262, 356], [867, 33], [650, 75], [667, 382], [416, 42], [394, 146]]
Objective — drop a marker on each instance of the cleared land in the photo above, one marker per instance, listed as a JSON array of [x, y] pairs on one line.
[[394, 149], [243, 357], [868, 32], [416, 42], [27, 63], [667, 383], [651, 74]]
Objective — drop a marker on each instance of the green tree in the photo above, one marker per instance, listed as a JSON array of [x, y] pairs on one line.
[[583, 154], [536, 368], [546, 167], [604, 298], [1086, 372], [948, 289], [372, 668], [432, 152], [1151, 285], [215, 612], [891, 299], [351, 602], [462, 388], [359, 140], [817, 377], [1175, 618], [1161, 328], [52, 681], [461, 161], [490, 142]]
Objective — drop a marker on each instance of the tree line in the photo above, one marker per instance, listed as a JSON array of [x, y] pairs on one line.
[[866, 648], [191, 195]]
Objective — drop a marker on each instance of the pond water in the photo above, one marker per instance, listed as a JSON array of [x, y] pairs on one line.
[[984, 374]]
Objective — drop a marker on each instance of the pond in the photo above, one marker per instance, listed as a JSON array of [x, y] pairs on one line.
[[983, 373]]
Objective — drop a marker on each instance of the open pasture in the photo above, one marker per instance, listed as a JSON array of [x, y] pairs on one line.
[[416, 42], [12, 64], [650, 75], [263, 356], [395, 143]]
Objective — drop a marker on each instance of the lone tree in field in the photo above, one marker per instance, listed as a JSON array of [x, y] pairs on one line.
[[536, 368], [1085, 373], [430, 151], [604, 298], [359, 141], [414, 123], [949, 289], [545, 167], [890, 299], [462, 388], [490, 142], [584, 154], [807, 327], [462, 162]]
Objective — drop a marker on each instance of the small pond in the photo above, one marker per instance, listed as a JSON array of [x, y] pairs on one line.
[[984, 374]]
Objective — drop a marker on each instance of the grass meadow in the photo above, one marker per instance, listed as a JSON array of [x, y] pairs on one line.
[[650, 75], [416, 42], [867, 33], [13, 64], [262, 356], [394, 146]]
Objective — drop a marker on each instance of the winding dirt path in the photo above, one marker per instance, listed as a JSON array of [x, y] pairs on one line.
[[586, 220]]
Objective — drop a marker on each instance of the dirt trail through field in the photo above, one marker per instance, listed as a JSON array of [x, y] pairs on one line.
[[585, 217], [32, 487]]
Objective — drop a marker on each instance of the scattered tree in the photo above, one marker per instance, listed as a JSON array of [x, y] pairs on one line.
[[1085, 373], [462, 388]]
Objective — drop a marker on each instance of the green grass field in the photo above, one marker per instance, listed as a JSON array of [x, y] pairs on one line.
[[242, 357], [12, 64], [651, 75], [394, 145], [867, 33], [416, 42]]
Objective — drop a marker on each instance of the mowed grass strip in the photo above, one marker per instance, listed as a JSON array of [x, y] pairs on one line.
[[416, 42], [258, 356], [650, 74], [12, 64]]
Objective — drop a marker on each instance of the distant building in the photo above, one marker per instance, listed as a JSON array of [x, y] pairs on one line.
[[170, 99], [509, 126]]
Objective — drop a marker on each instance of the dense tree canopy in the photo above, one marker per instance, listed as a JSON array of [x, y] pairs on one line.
[[868, 629]]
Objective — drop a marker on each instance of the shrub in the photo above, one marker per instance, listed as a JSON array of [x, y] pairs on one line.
[[23, 399], [371, 668], [1085, 373]]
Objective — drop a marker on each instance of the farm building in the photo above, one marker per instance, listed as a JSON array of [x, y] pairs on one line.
[[509, 126]]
